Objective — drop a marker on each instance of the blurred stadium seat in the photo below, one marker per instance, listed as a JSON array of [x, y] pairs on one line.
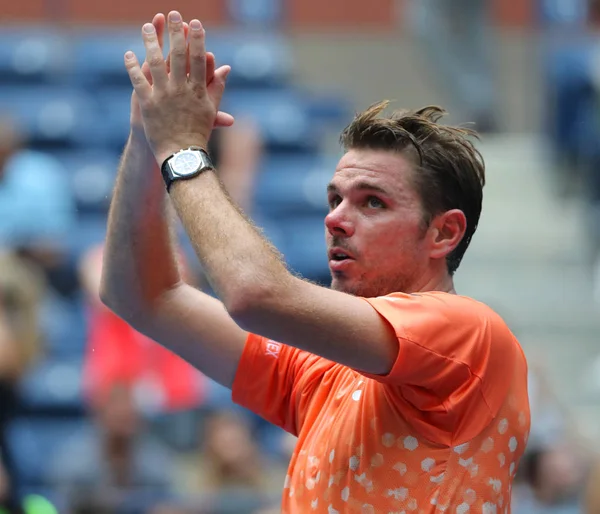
[[54, 387], [257, 59], [32, 56], [35, 441], [98, 56], [92, 174], [281, 115], [57, 116], [255, 12], [63, 323], [305, 250], [293, 183], [90, 231]]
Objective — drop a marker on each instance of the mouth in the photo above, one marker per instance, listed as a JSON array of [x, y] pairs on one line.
[[339, 255]]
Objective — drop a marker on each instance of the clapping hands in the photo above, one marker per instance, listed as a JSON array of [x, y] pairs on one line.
[[176, 100]]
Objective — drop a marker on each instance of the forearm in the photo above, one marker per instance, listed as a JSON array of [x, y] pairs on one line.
[[239, 262], [139, 262]]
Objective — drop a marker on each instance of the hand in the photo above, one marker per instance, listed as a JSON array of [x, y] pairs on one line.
[[177, 109], [223, 119]]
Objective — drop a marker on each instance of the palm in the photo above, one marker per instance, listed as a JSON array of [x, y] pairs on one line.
[[222, 119]]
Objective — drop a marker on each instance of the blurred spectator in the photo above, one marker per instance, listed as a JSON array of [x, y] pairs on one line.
[[117, 354], [457, 38], [237, 153], [552, 473], [231, 461], [592, 492], [553, 479], [114, 458], [37, 211], [20, 345], [232, 458]]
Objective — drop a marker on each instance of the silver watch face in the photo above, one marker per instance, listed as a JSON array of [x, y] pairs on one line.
[[186, 162]]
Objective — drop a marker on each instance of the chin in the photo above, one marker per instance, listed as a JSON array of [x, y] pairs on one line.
[[344, 285]]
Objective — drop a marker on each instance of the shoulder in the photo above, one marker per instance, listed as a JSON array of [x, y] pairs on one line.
[[434, 311]]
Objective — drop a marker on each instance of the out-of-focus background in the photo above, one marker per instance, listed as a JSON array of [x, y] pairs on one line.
[[94, 418]]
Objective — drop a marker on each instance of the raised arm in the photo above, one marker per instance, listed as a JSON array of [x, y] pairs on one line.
[[141, 281]]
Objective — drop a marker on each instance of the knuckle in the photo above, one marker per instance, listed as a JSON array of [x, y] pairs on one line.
[[154, 61], [198, 57], [138, 79], [178, 52]]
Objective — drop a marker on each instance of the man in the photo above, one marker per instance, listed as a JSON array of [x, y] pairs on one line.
[[404, 396]]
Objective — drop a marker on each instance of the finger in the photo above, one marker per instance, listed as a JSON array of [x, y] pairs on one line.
[[197, 56], [159, 26], [210, 67], [186, 29], [178, 51], [140, 84], [146, 72], [154, 57], [217, 87], [224, 119]]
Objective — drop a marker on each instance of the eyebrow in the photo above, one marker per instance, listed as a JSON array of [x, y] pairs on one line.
[[361, 186]]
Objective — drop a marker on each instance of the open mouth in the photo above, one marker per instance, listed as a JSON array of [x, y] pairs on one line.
[[339, 256]]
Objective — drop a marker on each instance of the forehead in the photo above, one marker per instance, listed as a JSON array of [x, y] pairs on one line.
[[388, 170]]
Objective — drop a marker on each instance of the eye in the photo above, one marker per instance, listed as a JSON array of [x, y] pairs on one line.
[[334, 201], [374, 203]]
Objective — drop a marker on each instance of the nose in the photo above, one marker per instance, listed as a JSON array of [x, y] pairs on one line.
[[338, 222]]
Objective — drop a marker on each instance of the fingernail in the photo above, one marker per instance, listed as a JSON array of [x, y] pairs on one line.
[[148, 28], [227, 72], [129, 55], [175, 17], [195, 25]]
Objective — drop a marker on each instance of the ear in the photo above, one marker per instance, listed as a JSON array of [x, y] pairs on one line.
[[447, 230]]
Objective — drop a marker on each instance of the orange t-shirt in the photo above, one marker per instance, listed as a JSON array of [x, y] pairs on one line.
[[442, 432]]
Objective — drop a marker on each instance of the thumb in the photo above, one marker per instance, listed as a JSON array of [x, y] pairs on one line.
[[217, 87]]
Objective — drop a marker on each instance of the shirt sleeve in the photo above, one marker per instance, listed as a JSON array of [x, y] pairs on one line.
[[452, 360], [278, 382]]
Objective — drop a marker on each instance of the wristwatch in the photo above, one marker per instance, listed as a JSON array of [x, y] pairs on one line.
[[185, 164]]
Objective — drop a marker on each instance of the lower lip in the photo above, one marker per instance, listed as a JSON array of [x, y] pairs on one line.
[[340, 265]]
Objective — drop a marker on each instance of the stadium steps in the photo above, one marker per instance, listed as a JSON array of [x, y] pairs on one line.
[[529, 260]]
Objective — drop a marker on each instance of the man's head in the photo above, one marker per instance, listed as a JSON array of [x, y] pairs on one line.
[[404, 202]]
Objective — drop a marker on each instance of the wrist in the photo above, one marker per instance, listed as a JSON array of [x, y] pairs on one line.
[[162, 154], [137, 138]]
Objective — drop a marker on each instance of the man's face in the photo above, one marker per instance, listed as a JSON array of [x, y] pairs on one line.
[[375, 219]]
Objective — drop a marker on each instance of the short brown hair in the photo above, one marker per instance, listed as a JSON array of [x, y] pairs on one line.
[[449, 170]]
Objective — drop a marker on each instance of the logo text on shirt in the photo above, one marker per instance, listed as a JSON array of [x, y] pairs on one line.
[[273, 349]]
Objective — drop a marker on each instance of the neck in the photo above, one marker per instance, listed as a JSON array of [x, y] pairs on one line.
[[440, 282]]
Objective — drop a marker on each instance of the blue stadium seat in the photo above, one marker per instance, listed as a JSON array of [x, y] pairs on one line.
[[92, 176], [32, 56], [90, 231], [280, 115], [34, 442], [63, 323], [330, 107], [54, 386], [255, 12], [53, 116], [294, 183], [305, 248], [114, 103], [98, 56], [257, 59]]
